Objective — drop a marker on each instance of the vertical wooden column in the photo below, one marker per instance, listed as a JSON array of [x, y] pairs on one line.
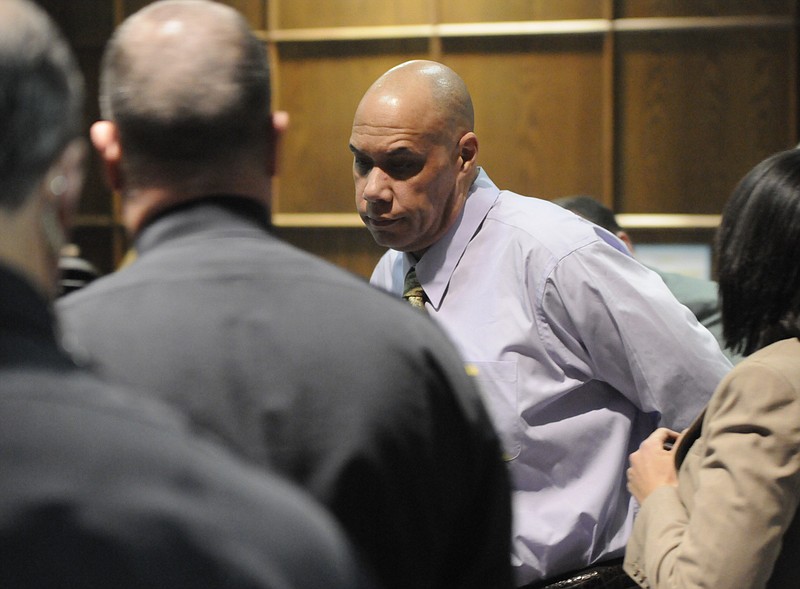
[[609, 197]]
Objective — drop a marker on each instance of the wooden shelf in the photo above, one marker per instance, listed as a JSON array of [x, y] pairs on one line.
[[632, 221], [317, 220], [659, 221], [525, 28], [695, 23], [350, 33]]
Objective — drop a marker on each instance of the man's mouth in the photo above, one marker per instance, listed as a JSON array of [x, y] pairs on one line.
[[380, 222]]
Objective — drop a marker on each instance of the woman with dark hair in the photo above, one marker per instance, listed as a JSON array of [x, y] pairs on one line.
[[719, 501]]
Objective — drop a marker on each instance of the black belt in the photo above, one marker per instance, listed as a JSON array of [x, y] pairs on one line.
[[604, 575]]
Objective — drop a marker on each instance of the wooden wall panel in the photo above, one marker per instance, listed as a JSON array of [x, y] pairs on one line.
[[255, 11], [696, 110], [458, 11], [128, 7], [538, 103], [95, 199], [656, 106], [320, 85], [85, 24], [716, 8], [315, 13], [351, 248]]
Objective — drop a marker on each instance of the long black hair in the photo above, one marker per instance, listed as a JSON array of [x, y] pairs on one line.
[[758, 249]]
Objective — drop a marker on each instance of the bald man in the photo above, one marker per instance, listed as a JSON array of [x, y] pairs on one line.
[[101, 487], [294, 363], [580, 350]]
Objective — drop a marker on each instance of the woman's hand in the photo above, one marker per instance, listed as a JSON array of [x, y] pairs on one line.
[[653, 464]]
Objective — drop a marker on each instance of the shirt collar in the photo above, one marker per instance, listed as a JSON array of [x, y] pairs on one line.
[[436, 265]]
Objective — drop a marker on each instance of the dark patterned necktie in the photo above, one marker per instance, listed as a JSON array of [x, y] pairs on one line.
[[412, 290]]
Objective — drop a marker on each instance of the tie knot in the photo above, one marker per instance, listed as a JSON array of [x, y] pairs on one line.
[[412, 290]]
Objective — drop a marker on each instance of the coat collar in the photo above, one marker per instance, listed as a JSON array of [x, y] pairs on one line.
[[210, 213]]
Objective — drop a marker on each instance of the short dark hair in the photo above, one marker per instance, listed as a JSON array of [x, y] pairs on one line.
[[758, 248], [591, 210], [213, 105], [41, 98]]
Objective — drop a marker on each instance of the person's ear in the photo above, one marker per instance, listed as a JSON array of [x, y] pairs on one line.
[[625, 238], [468, 151], [105, 139], [279, 122], [64, 183], [58, 198]]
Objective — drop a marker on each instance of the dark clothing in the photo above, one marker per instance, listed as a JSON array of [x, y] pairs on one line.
[[102, 488], [299, 365]]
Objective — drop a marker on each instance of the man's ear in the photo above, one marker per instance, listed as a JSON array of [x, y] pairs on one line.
[[468, 151], [65, 181], [625, 238], [59, 195], [105, 139], [279, 123]]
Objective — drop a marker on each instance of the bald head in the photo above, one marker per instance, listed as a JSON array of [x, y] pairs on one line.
[[185, 81], [428, 87]]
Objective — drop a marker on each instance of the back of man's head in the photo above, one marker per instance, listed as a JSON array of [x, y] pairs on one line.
[[187, 84], [41, 99], [591, 210]]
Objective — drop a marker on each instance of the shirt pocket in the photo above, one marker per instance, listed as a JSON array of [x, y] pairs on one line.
[[498, 384]]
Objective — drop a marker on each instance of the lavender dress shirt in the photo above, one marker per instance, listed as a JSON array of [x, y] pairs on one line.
[[580, 351]]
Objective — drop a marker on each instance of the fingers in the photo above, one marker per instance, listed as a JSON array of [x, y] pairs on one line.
[[662, 438], [652, 465], [663, 434]]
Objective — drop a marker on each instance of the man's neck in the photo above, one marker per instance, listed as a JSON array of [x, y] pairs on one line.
[[23, 250], [142, 205]]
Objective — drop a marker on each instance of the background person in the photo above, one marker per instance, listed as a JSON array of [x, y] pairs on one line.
[[293, 362], [577, 364], [719, 509], [102, 488]]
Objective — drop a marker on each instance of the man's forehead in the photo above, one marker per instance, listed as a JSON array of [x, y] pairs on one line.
[[389, 102], [387, 120], [395, 123], [396, 103], [389, 130]]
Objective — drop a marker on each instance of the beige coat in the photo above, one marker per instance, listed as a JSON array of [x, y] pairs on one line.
[[732, 518]]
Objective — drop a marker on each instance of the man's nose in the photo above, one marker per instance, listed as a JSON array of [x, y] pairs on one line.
[[377, 186]]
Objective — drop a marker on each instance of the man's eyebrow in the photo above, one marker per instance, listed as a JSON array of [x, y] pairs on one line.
[[400, 151]]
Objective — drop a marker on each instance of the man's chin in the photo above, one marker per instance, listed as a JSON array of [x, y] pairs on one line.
[[384, 236], [386, 241]]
